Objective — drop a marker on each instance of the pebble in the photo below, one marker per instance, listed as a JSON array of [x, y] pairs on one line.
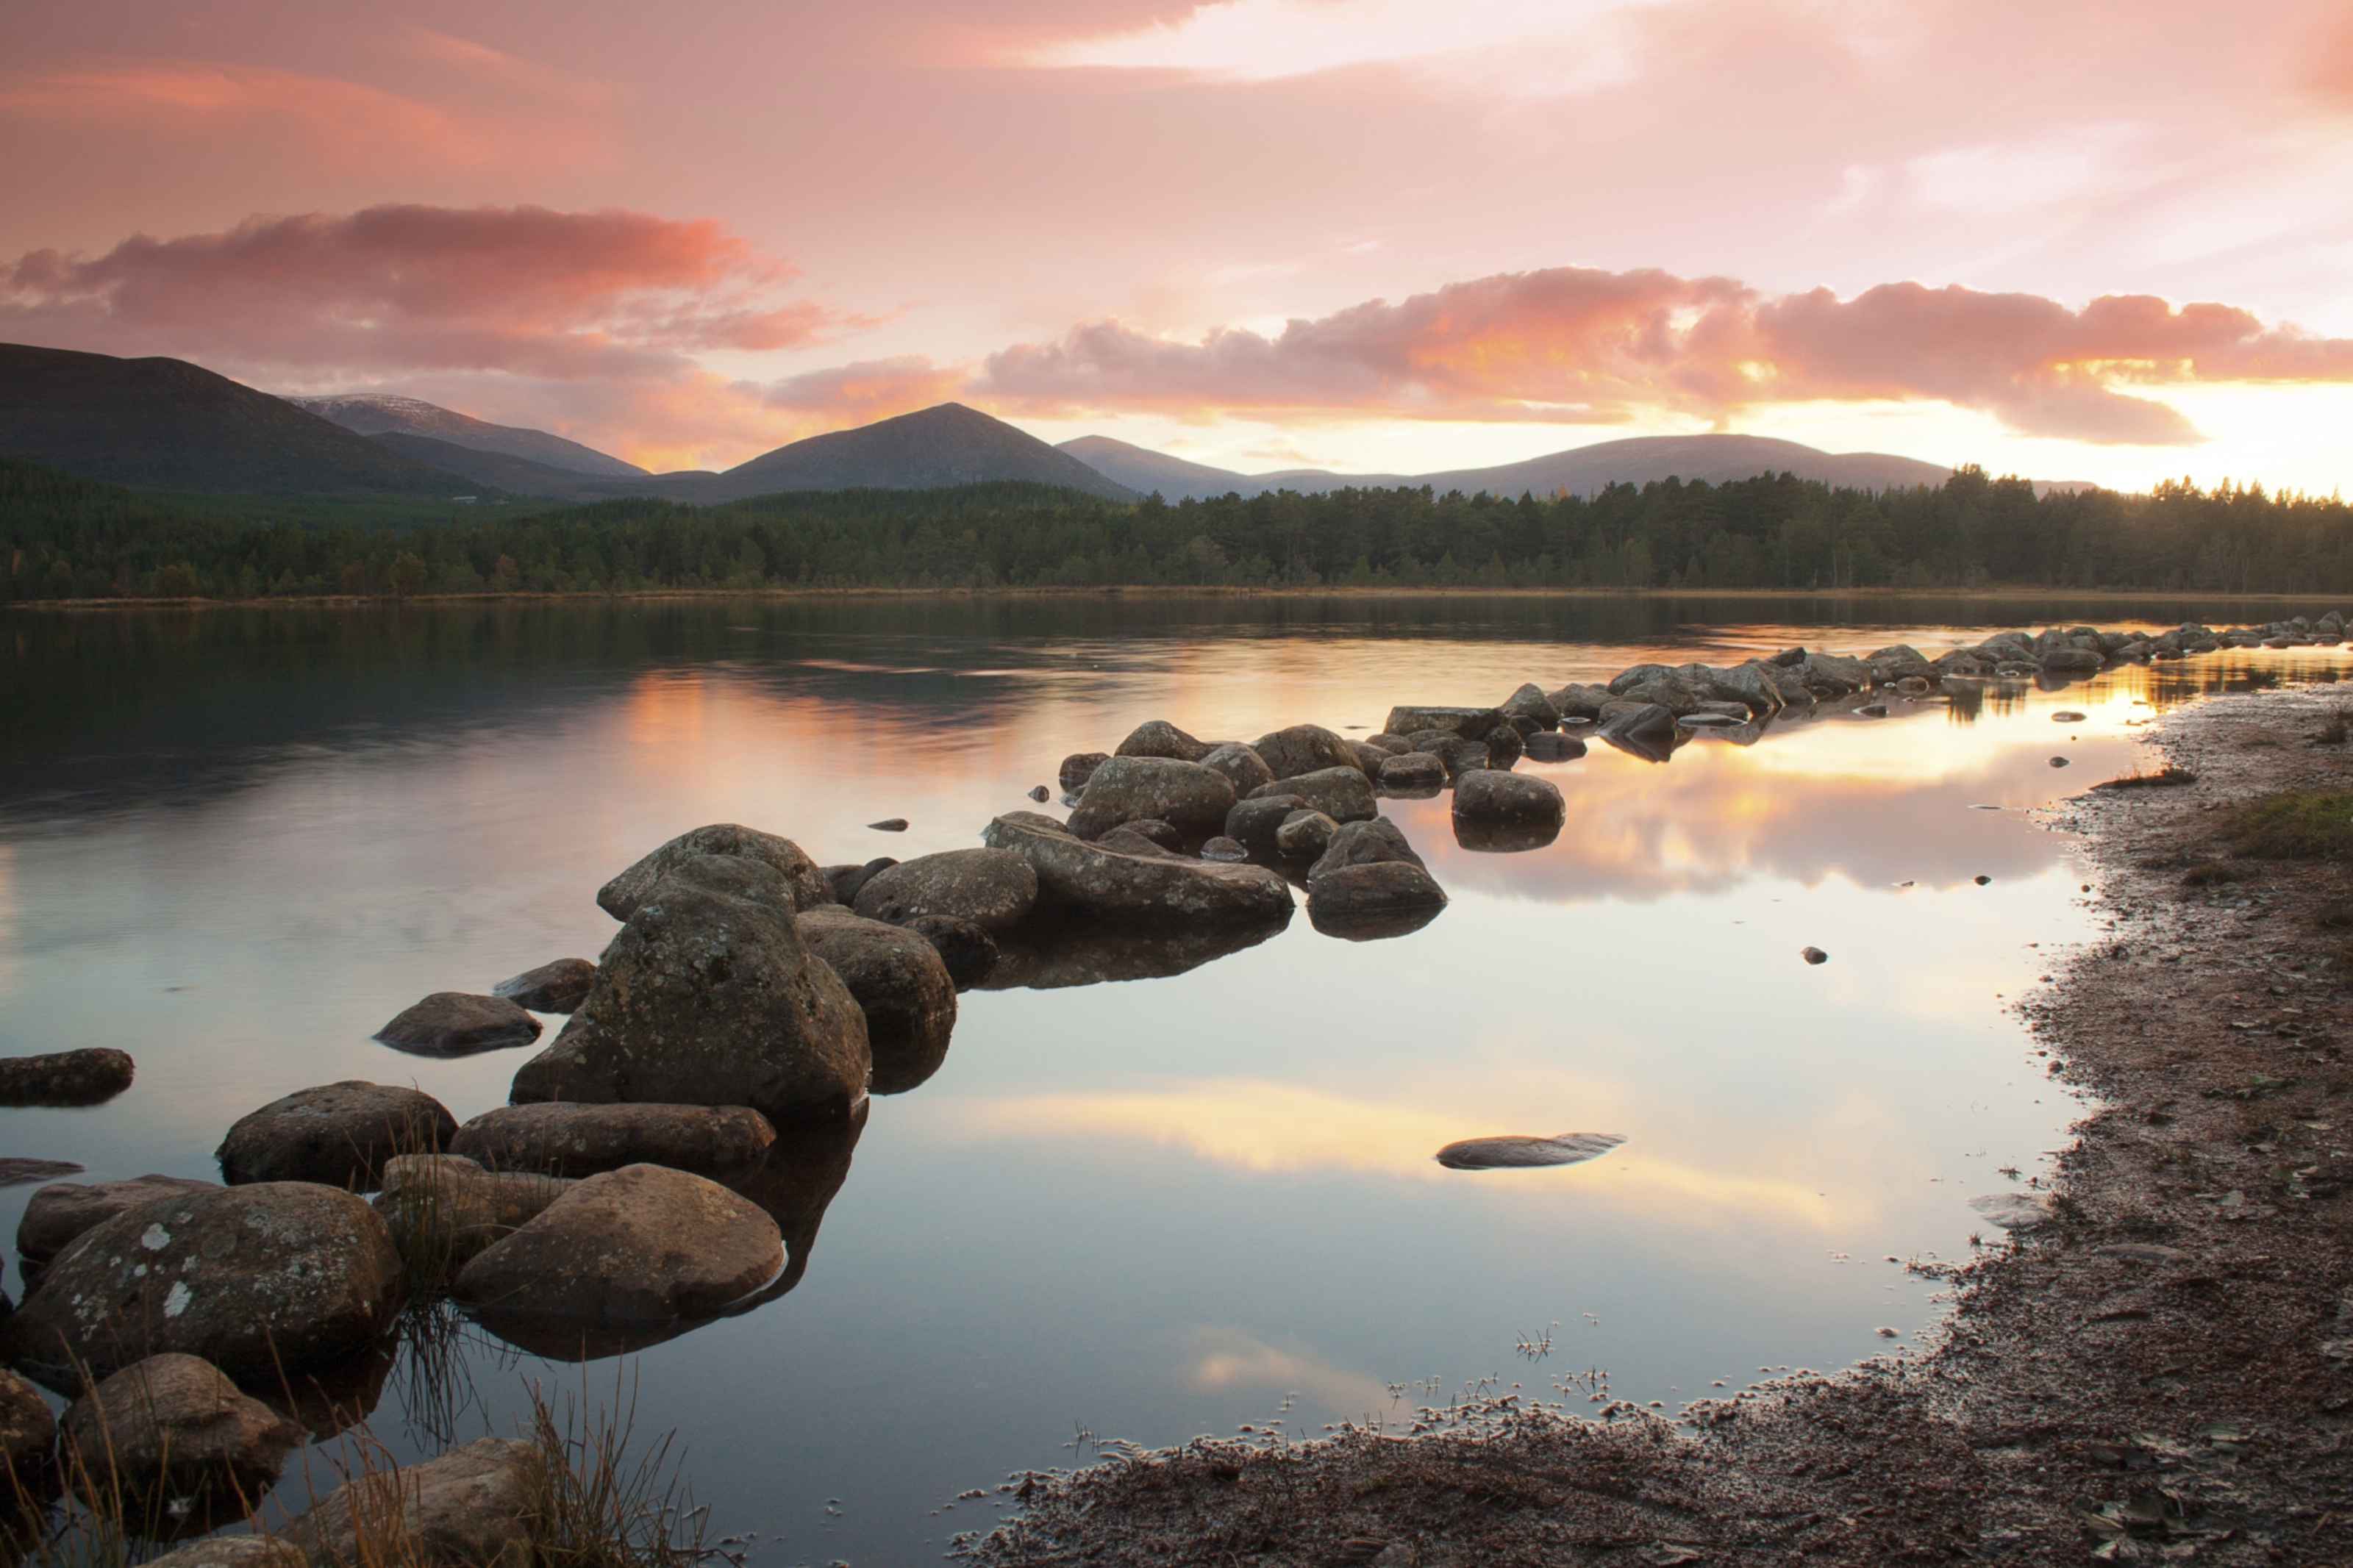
[[889, 825]]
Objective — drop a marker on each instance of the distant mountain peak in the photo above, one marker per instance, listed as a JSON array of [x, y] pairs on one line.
[[396, 413]]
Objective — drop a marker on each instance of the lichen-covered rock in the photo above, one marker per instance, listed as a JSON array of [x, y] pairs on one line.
[[900, 981], [1469, 723], [1303, 834], [443, 1208], [480, 1504], [88, 1076], [642, 1243], [338, 1134], [1343, 794], [1241, 765], [1413, 771], [990, 887], [804, 887], [1074, 875], [1135, 789], [1159, 738], [63, 1210], [173, 1424], [456, 1024], [557, 988], [1305, 749], [256, 1279], [708, 996], [560, 1139]]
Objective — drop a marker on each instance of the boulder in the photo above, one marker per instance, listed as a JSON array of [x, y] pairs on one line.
[[1395, 745], [1487, 795], [1504, 747], [1343, 794], [441, 1209], [1369, 757], [1253, 823], [1646, 731], [339, 1133], [172, 1425], [1369, 843], [88, 1076], [27, 1431], [804, 887], [281, 1276], [480, 1504], [1552, 748], [1439, 744], [1897, 662], [1078, 767], [968, 951], [1372, 888], [457, 1024], [1135, 789], [1528, 710], [62, 1210], [849, 881], [900, 981], [710, 997], [1242, 766], [1836, 675], [1576, 701], [1751, 684], [1306, 748], [1076, 876], [1470, 723], [1413, 771], [986, 887], [2071, 661], [559, 1139], [642, 1243], [1159, 738], [1304, 834], [555, 987]]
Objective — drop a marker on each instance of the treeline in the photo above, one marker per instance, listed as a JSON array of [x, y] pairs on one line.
[[67, 538]]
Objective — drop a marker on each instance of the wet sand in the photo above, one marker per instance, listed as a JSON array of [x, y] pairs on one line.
[[2162, 1371]]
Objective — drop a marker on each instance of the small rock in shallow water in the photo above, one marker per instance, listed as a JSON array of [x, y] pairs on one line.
[[889, 825], [1813, 955], [1517, 1152], [1873, 710], [1545, 746], [1223, 848], [456, 1024], [2058, 762], [15, 1173], [1981, 881], [554, 987], [65, 1077], [2066, 715], [1040, 793]]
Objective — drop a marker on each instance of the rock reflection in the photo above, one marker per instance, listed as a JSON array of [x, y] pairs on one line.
[[1049, 955], [326, 1400], [1373, 927], [1504, 838]]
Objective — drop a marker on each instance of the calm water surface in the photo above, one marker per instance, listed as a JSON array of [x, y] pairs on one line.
[[236, 845]]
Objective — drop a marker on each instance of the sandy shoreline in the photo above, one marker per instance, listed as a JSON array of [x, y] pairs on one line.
[[2163, 1372]]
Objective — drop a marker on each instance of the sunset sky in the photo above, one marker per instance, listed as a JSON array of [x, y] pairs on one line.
[[2076, 240]]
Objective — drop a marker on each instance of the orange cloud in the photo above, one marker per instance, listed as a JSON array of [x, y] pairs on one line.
[[1579, 345], [869, 390]]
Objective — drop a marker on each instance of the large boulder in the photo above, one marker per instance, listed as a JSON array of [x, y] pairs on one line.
[[174, 1426], [1306, 748], [642, 1243], [1161, 789], [560, 1139], [1242, 766], [901, 983], [1343, 794], [1836, 675], [1897, 662], [87, 1077], [27, 1432], [1752, 684], [1159, 738], [2071, 661], [1077, 876], [1577, 702], [708, 996], [480, 1504], [557, 988], [1371, 889], [1528, 710], [1470, 723], [804, 887], [63, 1210], [1253, 823], [339, 1133], [1489, 797], [987, 887], [258, 1280], [443, 1208], [456, 1024]]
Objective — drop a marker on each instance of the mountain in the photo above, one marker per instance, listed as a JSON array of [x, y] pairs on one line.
[[946, 445], [518, 476], [384, 413], [1581, 471], [164, 424]]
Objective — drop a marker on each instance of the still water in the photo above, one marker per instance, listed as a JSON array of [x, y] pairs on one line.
[[236, 844]]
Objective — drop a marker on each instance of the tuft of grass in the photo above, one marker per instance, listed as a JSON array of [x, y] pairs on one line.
[[2293, 824], [2213, 873], [604, 1507], [2164, 778]]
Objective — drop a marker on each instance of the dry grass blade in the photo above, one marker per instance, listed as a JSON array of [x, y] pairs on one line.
[[604, 1507]]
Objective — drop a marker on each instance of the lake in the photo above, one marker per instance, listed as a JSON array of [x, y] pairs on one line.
[[236, 843]]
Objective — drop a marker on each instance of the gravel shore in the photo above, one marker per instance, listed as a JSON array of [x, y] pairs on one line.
[[2162, 1371]]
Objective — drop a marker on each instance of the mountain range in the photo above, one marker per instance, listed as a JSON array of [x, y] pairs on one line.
[[163, 424]]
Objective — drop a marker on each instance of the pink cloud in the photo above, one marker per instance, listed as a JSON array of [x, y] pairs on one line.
[[1579, 345]]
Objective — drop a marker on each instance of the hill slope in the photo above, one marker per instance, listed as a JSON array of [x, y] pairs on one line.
[[383, 414], [519, 476], [164, 424], [946, 445], [1582, 471]]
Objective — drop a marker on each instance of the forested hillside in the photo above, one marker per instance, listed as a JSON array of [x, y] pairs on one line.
[[62, 537]]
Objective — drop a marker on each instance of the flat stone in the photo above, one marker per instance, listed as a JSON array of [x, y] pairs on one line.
[[2013, 1211], [1343, 794], [1515, 1152], [339, 1133], [990, 888], [1076, 876], [16, 1172], [1469, 723], [562, 1139], [557, 988], [454, 1024], [61, 1212], [88, 1076]]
